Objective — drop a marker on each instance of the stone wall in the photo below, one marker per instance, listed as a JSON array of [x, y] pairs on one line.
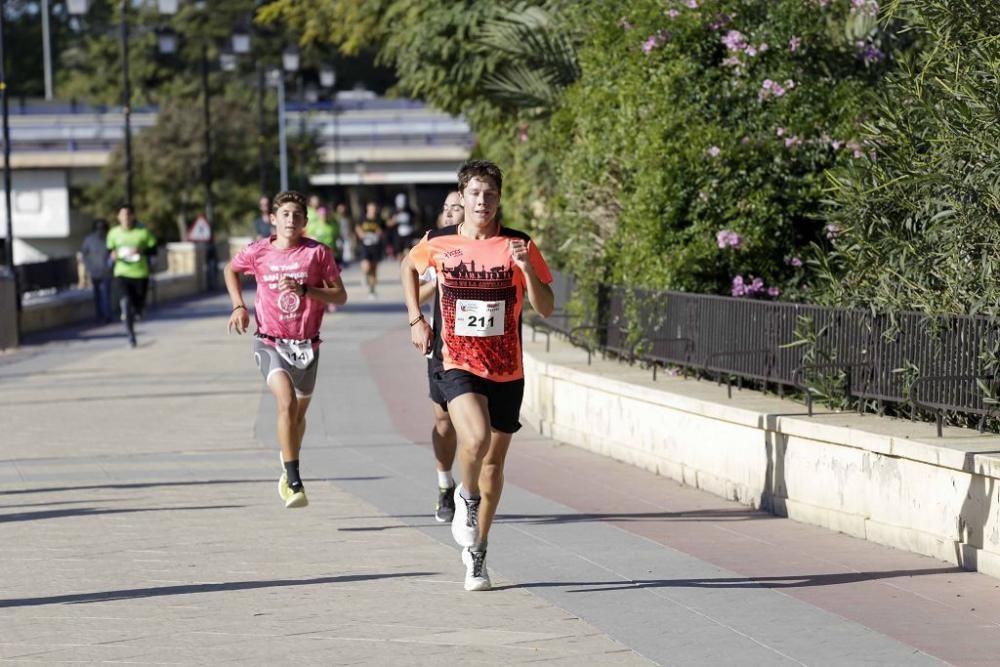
[[885, 480]]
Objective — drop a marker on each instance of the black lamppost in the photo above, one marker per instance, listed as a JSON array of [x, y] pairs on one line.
[[276, 78], [241, 45], [166, 7], [328, 79], [9, 245]]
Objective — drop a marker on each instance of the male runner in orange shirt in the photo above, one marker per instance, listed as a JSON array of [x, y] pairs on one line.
[[483, 271]]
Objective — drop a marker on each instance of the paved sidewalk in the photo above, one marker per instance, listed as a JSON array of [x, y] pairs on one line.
[[139, 524]]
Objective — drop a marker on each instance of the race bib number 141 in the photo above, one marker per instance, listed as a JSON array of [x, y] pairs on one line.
[[479, 318]]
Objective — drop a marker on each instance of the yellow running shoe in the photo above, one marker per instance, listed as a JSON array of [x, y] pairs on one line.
[[292, 499]]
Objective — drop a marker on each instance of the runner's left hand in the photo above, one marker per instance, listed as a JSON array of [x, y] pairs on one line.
[[289, 284], [519, 252]]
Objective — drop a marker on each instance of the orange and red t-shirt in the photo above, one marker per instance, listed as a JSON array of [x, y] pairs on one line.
[[477, 323]]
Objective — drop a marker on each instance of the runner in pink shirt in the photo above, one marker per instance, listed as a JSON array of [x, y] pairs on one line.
[[296, 279]]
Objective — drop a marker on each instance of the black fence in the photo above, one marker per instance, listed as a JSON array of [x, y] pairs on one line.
[[931, 364], [54, 274]]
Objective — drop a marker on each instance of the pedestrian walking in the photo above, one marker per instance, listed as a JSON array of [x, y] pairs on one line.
[[97, 261], [261, 222]]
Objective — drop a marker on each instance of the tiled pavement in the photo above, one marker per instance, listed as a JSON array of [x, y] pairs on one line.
[[139, 524]]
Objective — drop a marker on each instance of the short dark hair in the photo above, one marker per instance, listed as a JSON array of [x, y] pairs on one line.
[[126, 206], [289, 196], [479, 169], [100, 222]]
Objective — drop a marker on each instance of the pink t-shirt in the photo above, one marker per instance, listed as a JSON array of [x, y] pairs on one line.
[[285, 314]]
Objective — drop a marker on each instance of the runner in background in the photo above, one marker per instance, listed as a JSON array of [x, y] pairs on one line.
[[371, 236]]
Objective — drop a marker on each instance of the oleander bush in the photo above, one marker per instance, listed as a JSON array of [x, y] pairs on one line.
[[919, 224], [691, 153]]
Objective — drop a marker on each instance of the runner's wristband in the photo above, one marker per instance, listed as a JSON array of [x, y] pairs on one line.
[[420, 317], [238, 307]]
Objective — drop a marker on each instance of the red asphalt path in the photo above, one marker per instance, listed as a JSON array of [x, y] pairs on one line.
[[930, 605]]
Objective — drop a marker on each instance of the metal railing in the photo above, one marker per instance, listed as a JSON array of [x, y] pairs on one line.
[[931, 364], [53, 274]]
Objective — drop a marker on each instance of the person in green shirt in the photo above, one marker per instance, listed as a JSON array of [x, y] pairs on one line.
[[317, 227], [130, 246]]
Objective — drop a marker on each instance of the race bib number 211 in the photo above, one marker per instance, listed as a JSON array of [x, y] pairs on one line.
[[479, 318]]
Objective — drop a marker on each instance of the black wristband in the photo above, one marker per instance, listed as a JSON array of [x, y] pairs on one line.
[[419, 317], [238, 307]]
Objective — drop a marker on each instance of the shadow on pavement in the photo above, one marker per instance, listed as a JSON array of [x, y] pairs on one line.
[[549, 519], [790, 581], [158, 591], [92, 511], [104, 397], [149, 485]]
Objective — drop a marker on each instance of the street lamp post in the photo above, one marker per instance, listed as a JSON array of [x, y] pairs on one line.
[[206, 110], [289, 63], [328, 79], [79, 7], [9, 245], [282, 136], [126, 103], [46, 50]]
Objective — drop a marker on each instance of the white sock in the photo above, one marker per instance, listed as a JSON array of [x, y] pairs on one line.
[[445, 479]]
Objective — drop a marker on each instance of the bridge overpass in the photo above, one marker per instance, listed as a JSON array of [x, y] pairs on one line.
[[363, 141]]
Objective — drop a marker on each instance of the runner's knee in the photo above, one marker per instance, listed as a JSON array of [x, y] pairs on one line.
[[490, 476]]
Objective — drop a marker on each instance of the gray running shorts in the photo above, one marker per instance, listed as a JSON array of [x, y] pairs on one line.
[[269, 361]]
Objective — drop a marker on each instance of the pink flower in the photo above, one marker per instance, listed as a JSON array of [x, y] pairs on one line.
[[738, 288], [780, 131], [655, 41], [721, 20], [773, 292], [734, 40], [750, 51], [792, 141], [768, 84], [793, 261], [794, 44], [673, 13], [692, 4], [865, 7], [728, 239], [714, 151]]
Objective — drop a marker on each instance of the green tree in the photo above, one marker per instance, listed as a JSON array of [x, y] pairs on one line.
[[475, 57], [167, 161], [918, 222]]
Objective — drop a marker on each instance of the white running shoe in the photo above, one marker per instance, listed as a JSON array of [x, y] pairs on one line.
[[465, 523], [477, 578]]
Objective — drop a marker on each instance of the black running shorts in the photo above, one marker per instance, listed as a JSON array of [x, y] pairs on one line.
[[434, 366], [503, 398]]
